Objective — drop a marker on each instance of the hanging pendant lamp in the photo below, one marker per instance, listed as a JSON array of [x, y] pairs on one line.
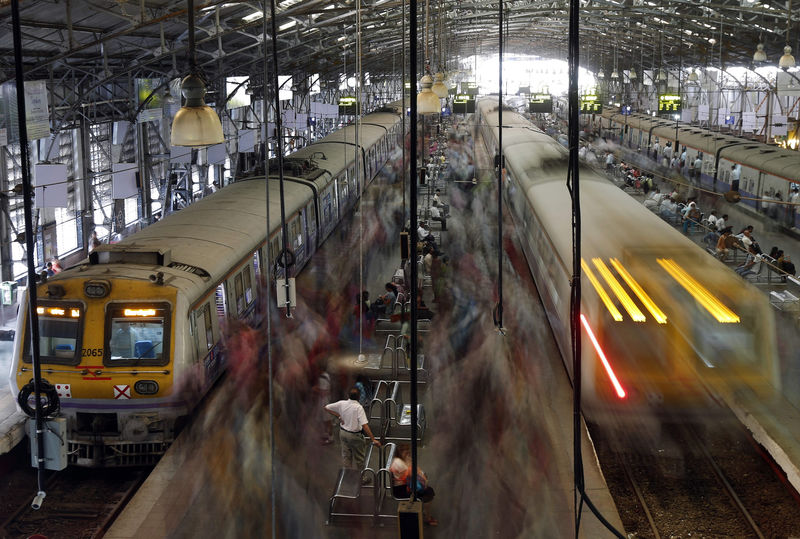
[[601, 75], [760, 55], [632, 74], [439, 87], [787, 60], [693, 77], [195, 124], [427, 101]]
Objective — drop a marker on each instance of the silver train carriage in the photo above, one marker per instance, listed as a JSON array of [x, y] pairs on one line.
[[662, 321], [766, 171], [131, 338]]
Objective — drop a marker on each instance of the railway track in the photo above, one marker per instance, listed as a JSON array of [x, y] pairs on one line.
[[707, 480], [80, 503]]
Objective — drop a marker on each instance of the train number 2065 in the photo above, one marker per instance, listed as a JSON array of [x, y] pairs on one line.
[[91, 352]]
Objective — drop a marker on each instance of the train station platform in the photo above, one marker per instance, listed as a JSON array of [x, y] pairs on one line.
[[498, 442]]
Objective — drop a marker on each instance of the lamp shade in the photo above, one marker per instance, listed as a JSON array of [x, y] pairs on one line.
[[787, 60], [614, 74], [601, 75], [427, 101], [693, 77], [195, 124], [439, 87], [632, 74], [760, 55], [662, 75]]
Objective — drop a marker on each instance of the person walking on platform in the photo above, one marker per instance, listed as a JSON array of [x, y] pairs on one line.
[[352, 422]]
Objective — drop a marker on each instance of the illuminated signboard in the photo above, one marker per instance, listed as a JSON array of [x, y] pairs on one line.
[[348, 106], [669, 104], [59, 312], [469, 88], [590, 104], [463, 104], [625, 110], [540, 103]]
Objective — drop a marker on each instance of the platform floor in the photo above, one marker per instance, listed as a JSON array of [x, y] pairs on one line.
[[499, 444]]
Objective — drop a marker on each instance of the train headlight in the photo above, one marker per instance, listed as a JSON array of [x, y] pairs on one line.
[[146, 387], [96, 289]]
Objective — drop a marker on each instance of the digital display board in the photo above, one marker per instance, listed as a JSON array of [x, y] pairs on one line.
[[590, 104], [348, 106], [669, 104], [463, 104], [540, 103], [469, 88]]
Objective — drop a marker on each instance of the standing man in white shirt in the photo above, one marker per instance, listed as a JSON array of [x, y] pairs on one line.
[[352, 419]]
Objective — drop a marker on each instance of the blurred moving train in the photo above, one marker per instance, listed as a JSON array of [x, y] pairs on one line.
[[662, 320], [766, 171], [132, 337]]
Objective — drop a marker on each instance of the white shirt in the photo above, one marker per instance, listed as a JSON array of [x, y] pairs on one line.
[[352, 416], [736, 173], [435, 213], [720, 224], [422, 233], [610, 159], [436, 199], [698, 164], [712, 221]]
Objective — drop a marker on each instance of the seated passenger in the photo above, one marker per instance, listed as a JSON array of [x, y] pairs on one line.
[[401, 482], [654, 200], [746, 267], [384, 305], [437, 216], [722, 248], [422, 232]]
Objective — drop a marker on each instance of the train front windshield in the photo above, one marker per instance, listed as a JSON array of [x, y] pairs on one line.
[[59, 333], [138, 334]]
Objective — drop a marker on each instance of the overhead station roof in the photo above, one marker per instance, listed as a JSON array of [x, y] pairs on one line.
[[97, 46]]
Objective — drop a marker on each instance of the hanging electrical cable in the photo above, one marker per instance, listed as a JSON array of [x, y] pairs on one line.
[[30, 249], [500, 162], [361, 357], [573, 186], [286, 257], [268, 270]]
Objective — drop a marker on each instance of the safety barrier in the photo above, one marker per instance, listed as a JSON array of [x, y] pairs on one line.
[[350, 483]]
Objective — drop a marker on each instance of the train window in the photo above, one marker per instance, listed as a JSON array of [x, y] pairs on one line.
[[208, 325], [137, 334], [239, 291], [248, 286], [342, 181], [257, 263], [327, 208], [220, 301], [60, 332]]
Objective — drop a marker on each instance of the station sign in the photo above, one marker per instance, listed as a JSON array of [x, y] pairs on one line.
[[591, 104], [469, 88], [348, 106], [463, 104], [540, 103], [669, 104]]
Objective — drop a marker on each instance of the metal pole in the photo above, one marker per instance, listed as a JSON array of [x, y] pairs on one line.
[[413, 249], [268, 314], [29, 246], [403, 116], [500, 160], [279, 130]]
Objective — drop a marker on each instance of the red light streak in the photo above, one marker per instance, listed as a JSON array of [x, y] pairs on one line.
[[617, 386]]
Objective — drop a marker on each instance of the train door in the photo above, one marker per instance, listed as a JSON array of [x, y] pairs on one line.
[[311, 226], [296, 236], [206, 336]]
